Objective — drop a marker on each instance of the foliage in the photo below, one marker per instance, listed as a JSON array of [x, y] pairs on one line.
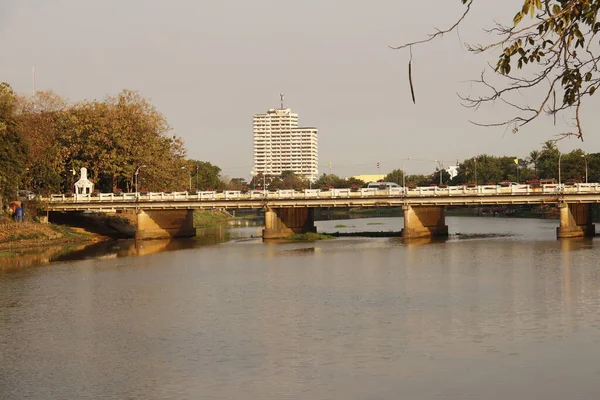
[[112, 138], [205, 175], [554, 43], [13, 148], [335, 181], [237, 184], [396, 176]]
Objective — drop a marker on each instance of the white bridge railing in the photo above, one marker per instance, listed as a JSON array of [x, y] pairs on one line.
[[429, 191]]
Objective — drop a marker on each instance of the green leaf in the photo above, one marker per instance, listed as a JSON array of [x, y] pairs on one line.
[[555, 9], [588, 76], [592, 90], [518, 18]]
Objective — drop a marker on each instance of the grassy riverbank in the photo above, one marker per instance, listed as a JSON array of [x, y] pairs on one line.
[[211, 218], [25, 235]]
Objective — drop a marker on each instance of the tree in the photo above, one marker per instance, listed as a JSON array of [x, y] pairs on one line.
[[484, 169], [534, 156], [237, 184], [548, 161], [13, 148], [37, 115], [331, 180], [396, 176], [289, 180], [554, 43], [209, 175]]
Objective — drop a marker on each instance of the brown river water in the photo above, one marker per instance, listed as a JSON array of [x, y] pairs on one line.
[[513, 315]]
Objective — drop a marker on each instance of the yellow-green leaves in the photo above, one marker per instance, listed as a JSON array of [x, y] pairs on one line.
[[529, 8]]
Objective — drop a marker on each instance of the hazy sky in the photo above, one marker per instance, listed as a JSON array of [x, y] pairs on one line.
[[209, 65]]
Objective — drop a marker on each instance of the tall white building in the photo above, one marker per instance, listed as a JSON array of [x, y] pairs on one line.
[[280, 145]]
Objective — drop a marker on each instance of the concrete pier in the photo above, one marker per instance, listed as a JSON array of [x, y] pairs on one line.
[[424, 222], [575, 221], [284, 222], [164, 224]]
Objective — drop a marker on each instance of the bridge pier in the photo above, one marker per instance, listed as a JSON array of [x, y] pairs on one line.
[[424, 222], [284, 222], [164, 224], [575, 221]]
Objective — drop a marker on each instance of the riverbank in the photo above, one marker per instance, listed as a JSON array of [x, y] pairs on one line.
[[28, 235]]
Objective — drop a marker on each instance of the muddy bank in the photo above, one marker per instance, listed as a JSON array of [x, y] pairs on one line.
[[26, 236]]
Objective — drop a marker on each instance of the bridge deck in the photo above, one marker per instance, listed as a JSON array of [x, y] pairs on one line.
[[450, 196]]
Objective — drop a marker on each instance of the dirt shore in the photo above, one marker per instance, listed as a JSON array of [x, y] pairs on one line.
[[25, 235]]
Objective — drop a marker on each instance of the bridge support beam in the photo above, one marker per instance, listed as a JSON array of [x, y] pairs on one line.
[[575, 221], [424, 221], [164, 224], [284, 222]]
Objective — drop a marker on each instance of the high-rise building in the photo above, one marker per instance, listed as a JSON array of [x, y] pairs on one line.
[[280, 145]]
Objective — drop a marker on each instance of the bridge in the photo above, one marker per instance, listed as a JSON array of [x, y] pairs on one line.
[[289, 211]]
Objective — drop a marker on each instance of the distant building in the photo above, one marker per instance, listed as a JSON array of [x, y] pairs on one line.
[[280, 145], [369, 178]]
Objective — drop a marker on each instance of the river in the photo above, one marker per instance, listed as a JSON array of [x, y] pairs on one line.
[[226, 316]]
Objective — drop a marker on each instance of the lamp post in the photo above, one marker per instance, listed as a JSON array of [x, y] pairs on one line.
[[559, 157], [190, 176], [585, 160], [137, 171], [440, 165], [404, 172], [197, 184]]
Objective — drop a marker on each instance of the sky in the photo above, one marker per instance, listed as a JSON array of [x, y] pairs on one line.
[[209, 66]]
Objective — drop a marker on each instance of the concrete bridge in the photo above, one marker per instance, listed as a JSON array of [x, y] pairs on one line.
[[162, 215]]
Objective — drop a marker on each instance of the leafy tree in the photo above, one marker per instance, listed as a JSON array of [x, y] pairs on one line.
[[208, 175], [353, 182], [418, 180], [237, 184], [485, 169], [548, 161], [330, 179], [554, 43], [396, 176], [534, 156], [289, 180], [13, 148]]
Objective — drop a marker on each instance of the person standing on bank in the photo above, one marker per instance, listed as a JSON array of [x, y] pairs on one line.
[[19, 214]]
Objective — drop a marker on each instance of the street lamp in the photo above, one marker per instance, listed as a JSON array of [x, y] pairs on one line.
[[585, 159], [440, 165], [137, 171], [190, 176], [253, 174], [404, 172], [559, 157], [197, 184]]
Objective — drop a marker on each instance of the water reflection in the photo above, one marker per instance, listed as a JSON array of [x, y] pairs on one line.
[[22, 258], [352, 318]]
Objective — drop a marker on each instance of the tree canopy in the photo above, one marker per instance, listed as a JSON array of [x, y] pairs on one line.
[[13, 149], [45, 140], [554, 46]]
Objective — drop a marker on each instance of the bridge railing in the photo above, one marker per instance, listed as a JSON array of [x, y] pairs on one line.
[[463, 190]]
